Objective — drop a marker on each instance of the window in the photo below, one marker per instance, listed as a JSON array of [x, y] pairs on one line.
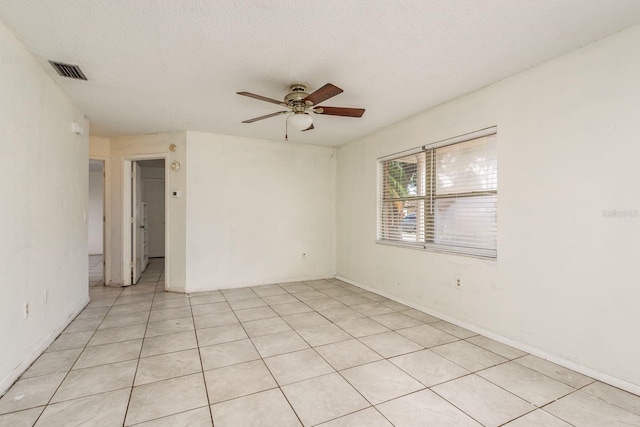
[[442, 196]]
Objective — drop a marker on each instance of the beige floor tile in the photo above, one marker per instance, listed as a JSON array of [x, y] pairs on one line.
[[557, 372], [291, 308], [372, 309], [615, 396], [197, 299], [30, 392], [156, 400], [584, 410], [337, 292], [396, 321], [104, 410], [340, 314], [169, 343], [282, 342], [419, 315], [83, 325], [26, 418], [238, 380], [108, 353], [119, 334], [99, 379], [296, 287], [269, 409], [452, 329], [280, 299], [325, 304], [469, 356], [93, 313], [129, 300], [170, 303], [525, 383], [122, 309], [200, 417], [256, 328], [169, 365], [381, 381], [220, 334], [347, 354], [255, 313], [297, 366], [213, 308], [367, 417], [429, 368], [102, 301], [323, 398], [216, 319], [305, 320], [70, 341], [172, 326], [321, 335], [170, 313], [226, 354], [50, 363], [390, 344], [268, 290], [362, 327], [353, 299], [238, 294], [538, 418], [425, 408], [500, 349], [247, 303], [483, 401], [427, 336]]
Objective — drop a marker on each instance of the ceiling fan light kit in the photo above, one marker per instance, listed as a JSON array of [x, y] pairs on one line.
[[299, 103]]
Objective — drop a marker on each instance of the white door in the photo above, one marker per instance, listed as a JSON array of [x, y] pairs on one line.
[[145, 236], [137, 223]]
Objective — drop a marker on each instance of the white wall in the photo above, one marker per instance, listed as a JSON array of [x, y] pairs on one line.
[[566, 281], [96, 203], [254, 207], [43, 232], [123, 148]]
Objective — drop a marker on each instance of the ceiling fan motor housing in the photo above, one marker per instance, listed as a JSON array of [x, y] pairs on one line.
[[295, 99]]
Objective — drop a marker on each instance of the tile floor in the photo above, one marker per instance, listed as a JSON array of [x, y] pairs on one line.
[[311, 353]]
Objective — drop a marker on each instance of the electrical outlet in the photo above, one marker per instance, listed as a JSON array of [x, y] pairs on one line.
[[458, 283], [304, 255], [26, 310]]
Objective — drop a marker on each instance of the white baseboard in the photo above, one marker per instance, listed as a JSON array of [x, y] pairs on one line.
[[8, 381], [585, 370]]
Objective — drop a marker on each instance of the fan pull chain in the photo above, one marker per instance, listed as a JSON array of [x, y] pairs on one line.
[[286, 130]]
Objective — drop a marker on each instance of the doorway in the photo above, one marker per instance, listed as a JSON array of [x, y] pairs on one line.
[[145, 248], [96, 222]]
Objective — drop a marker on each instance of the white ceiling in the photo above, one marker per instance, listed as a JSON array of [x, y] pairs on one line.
[[164, 65]]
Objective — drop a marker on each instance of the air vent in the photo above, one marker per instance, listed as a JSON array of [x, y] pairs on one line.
[[67, 70]]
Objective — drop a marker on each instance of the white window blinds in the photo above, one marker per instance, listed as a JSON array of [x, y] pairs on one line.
[[442, 197]]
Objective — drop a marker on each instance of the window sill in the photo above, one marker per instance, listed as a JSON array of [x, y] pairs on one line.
[[427, 247]]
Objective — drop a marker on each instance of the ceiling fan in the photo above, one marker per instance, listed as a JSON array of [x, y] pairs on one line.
[[299, 103]]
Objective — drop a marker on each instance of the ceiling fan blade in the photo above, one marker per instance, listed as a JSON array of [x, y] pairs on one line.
[[325, 92], [339, 111], [261, 98], [265, 117], [309, 128]]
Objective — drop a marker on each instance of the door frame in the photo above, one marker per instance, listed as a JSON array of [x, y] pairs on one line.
[[126, 215], [106, 213]]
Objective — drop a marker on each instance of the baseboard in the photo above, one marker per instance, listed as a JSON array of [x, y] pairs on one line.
[[13, 376], [585, 370]]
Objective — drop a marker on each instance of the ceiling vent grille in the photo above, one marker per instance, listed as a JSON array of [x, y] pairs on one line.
[[67, 70]]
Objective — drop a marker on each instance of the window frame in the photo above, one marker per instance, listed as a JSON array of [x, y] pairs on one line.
[[428, 214]]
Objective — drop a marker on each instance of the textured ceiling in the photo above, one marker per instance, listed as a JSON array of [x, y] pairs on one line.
[[156, 66]]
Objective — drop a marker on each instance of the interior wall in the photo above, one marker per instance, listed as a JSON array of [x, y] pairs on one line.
[[154, 197], [127, 147], [43, 228], [96, 212], [565, 284], [258, 212]]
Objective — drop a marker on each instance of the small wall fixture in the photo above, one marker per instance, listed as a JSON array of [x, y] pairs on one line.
[[175, 166], [172, 147]]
